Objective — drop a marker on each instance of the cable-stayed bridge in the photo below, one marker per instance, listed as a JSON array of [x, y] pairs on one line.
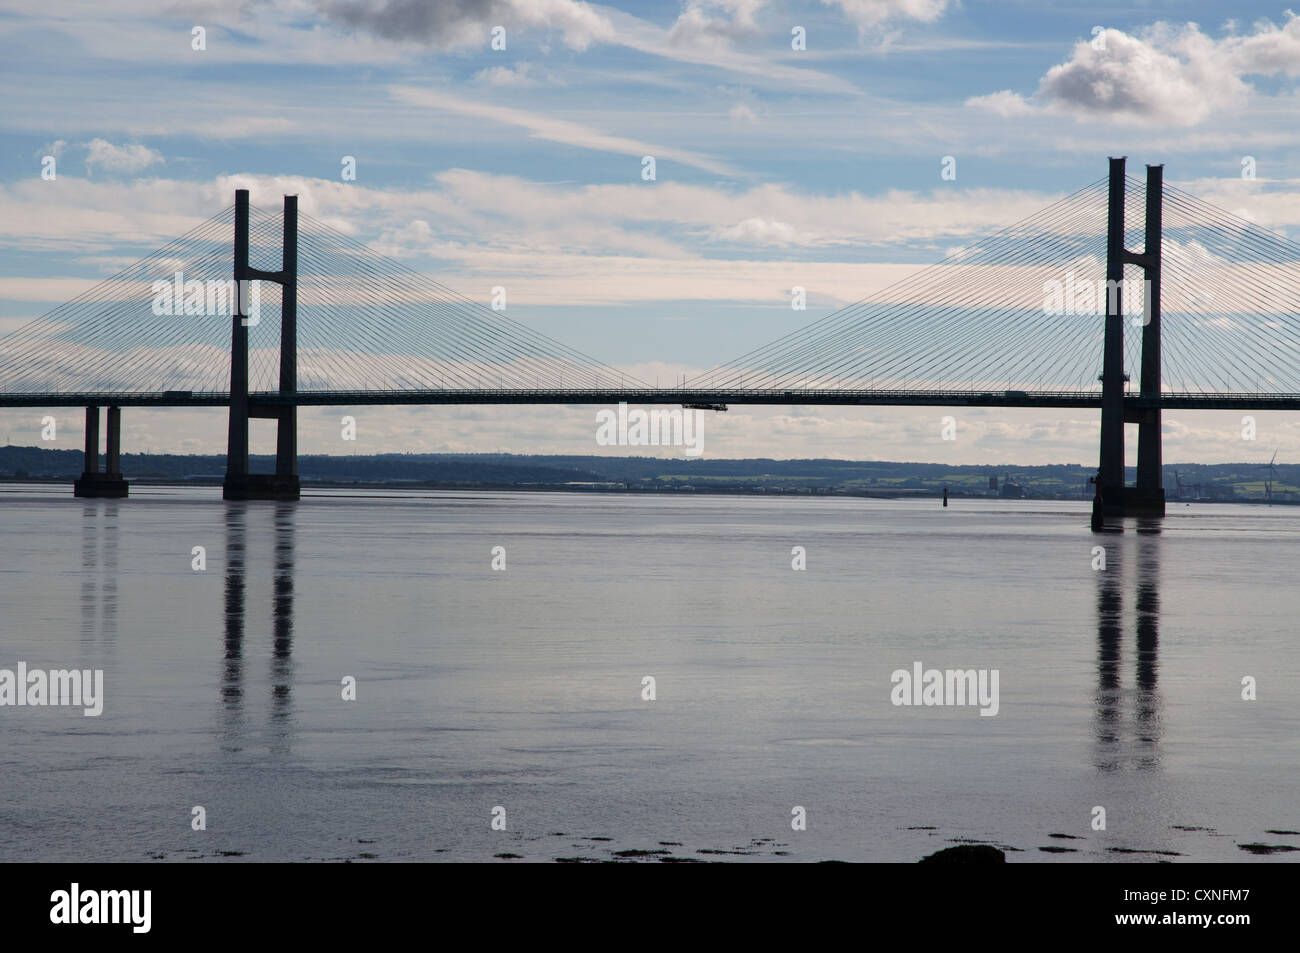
[[1057, 310]]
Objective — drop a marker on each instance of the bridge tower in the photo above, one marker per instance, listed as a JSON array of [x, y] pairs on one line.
[[239, 483], [1148, 496]]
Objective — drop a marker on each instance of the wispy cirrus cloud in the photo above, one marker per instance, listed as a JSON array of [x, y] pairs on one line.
[[555, 130]]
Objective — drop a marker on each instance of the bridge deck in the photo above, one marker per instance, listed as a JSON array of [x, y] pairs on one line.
[[675, 396]]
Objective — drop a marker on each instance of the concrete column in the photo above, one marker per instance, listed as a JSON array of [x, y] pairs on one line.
[[237, 442], [286, 430], [112, 451], [1112, 374], [1150, 481], [92, 440]]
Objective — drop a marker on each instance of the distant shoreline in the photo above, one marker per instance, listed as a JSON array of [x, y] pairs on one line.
[[878, 479], [904, 493]]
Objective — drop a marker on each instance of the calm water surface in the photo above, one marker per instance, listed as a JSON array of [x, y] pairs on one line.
[[522, 689]]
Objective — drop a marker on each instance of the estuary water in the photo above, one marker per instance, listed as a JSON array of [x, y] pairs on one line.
[[520, 693]]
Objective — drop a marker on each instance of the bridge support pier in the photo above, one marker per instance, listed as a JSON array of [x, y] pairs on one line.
[[1148, 497], [109, 483], [283, 484]]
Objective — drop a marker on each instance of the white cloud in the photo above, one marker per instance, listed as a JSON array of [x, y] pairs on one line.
[[1270, 50], [762, 231], [448, 24], [1172, 76], [86, 215], [1177, 76], [558, 243], [507, 213], [868, 14], [715, 24], [1005, 103], [1271, 203], [113, 158], [742, 113], [520, 75]]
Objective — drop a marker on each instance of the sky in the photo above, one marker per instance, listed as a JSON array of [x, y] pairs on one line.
[[503, 143]]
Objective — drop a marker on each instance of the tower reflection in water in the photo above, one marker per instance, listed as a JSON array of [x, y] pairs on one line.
[[1127, 718], [233, 694]]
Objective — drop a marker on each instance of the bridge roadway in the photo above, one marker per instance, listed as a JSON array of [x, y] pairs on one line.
[[705, 398]]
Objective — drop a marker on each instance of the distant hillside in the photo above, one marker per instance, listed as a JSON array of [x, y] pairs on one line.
[[1227, 481], [18, 462]]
